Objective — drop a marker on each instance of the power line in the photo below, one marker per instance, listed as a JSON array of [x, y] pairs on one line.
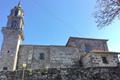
[[37, 4]]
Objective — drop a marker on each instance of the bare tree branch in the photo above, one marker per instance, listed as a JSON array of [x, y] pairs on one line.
[[106, 12]]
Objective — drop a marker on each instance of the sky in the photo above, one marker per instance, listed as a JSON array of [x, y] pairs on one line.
[[52, 22]]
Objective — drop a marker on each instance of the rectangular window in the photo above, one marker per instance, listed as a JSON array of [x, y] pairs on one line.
[[41, 56], [104, 59], [4, 68]]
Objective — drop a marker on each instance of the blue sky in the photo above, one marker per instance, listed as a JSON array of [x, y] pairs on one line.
[[52, 22]]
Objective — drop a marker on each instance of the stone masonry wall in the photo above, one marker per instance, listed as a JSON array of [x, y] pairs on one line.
[[95, 60], [63, 57], [86, 45], [54, 56], [64, 74]]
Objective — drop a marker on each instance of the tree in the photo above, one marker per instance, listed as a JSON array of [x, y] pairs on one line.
[[107, 11]]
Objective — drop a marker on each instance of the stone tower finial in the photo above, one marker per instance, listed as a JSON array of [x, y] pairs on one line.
[[17, 10], [19, 4]]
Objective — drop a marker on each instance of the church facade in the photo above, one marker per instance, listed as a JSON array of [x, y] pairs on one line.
[[15, 56]]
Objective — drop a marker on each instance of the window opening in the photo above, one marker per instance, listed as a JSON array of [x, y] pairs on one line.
[[16, 12], [104, 59], [41, 56], [4, 68]]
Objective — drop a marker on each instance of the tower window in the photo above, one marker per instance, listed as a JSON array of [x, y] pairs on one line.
[[8, 51], [41, 56], [14, 23], [4, 68], [104, 59], [16, 12]]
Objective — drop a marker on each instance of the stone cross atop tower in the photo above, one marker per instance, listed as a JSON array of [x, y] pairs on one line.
[[12, 37]]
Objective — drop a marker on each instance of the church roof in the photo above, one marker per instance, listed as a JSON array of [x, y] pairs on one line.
[[87, 38], [105, 52], [47, 46]]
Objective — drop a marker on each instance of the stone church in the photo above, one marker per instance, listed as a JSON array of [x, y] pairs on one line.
[[15, 56]]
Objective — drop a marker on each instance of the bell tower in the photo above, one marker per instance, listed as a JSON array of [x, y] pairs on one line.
[[12, 37]]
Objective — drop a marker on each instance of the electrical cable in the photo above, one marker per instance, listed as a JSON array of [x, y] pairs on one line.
[[56, 17]]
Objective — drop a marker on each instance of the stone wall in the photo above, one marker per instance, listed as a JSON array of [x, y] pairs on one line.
[[54, 56], [30, 55], [9, 49], [87, 44], [63, 57], [94, 59], [64, 74]]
